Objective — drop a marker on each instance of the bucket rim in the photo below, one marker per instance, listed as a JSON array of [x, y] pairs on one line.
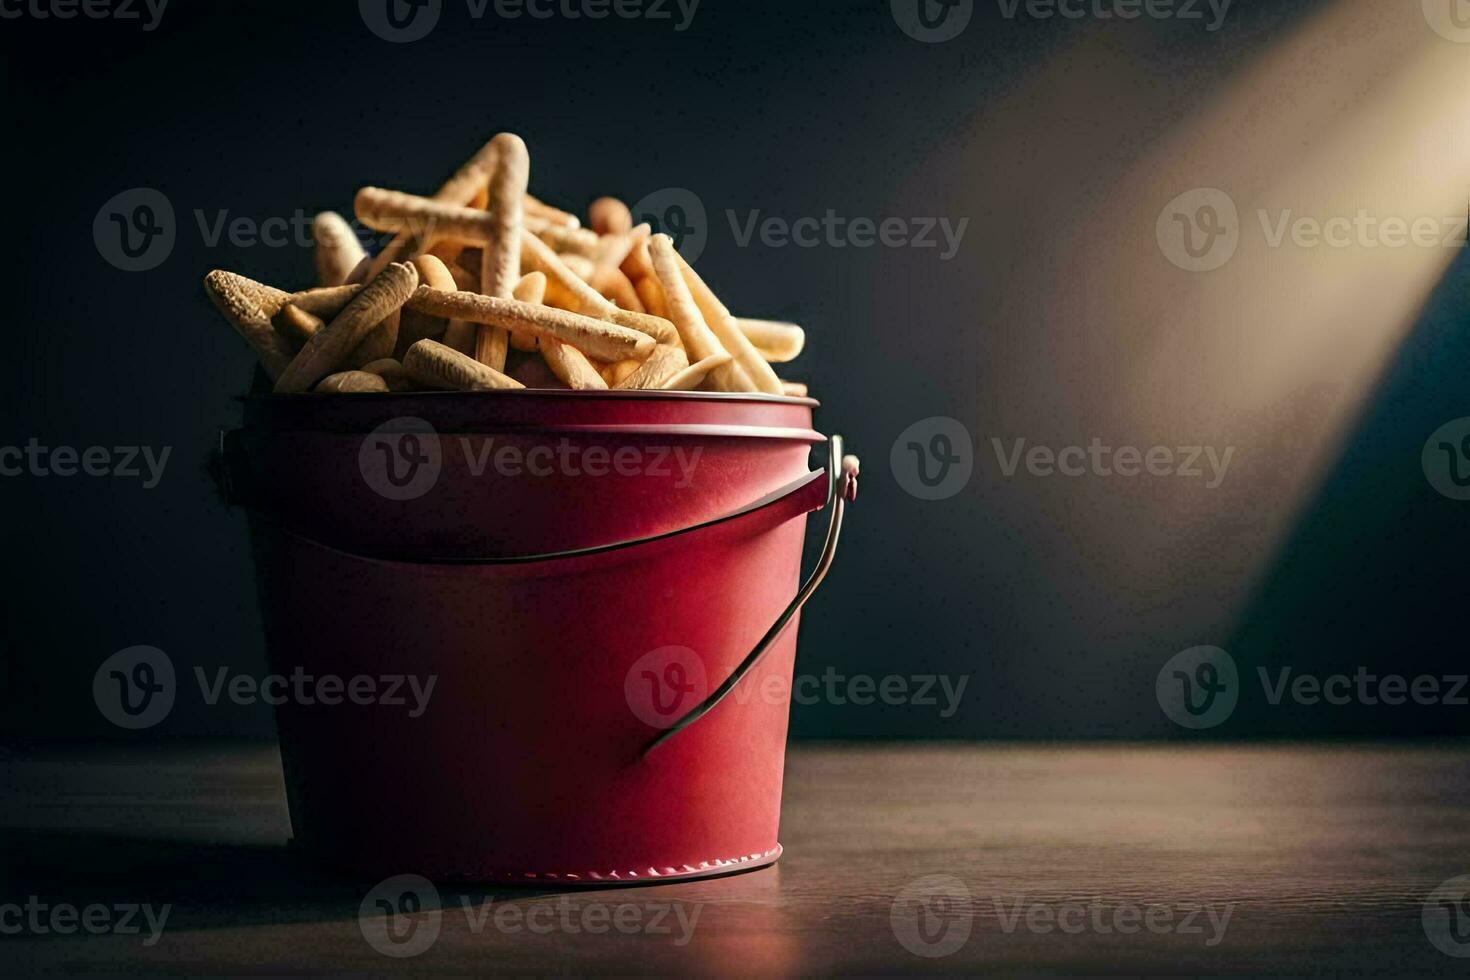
[[614, 394]]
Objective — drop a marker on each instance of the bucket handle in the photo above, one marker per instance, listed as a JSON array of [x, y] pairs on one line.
[[232, 475], [842, 474]]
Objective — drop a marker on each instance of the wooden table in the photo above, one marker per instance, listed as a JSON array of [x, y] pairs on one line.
[[1323, 857]]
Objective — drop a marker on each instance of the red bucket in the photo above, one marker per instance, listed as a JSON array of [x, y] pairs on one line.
[[572, 721]]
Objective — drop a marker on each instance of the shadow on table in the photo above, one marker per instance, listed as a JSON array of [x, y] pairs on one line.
[[209, 885]]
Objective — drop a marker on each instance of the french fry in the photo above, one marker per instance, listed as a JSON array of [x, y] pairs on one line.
[[777, 342], [615, 372], [500, 262], [415, 326], [352, 382], [609, 216], [613, 250], [595, 338], [614, 285], [561, 282], [297, 325], [570, 365], [717, 315], [699, 341], [424, 218], [793, 389], [581, 265], [691, 377], [329, 346], [249, 307], [468, 181], [435, 366], [579, 241], [540, 209], [324, 301], [531, 289], [663, 364], [393, 373], [652, 296], [337, 249]]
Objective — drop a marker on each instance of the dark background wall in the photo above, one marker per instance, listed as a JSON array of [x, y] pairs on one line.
[[1057, 321]]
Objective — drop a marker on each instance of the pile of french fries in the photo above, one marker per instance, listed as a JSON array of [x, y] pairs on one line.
[[484, 287]]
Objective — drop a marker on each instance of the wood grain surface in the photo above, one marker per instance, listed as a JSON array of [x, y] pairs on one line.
[[1322, 856]]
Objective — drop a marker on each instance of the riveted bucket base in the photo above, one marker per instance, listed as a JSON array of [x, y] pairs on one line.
[[713, 868]]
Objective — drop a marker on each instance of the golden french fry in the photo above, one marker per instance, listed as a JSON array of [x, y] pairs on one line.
[[699, 341], [561, 282], [424, 218], [613, 250], [540, 209], [500, 262], [415, 326], [638, 263], [432, 364], [462, 188], [609, 216], [338, 251], [249, 306], [615, 372], [580, 265], [531, 289], [352, 382], [328, 347], [793, 389], [578, 241], [777, 342], [652, 296], [570, 365], [614, 285], [656, 327], [297, 325], [595, 338], [690, 378], [324, 301], [662, 364], [720, 321], [393, 373]]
